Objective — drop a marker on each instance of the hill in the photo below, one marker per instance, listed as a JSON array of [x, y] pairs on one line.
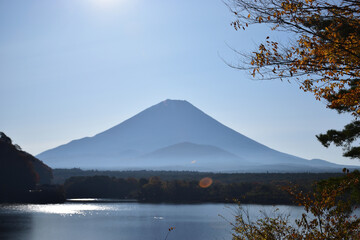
[[19, 171]]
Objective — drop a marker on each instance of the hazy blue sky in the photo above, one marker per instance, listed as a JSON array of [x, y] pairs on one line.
[[74, 68]]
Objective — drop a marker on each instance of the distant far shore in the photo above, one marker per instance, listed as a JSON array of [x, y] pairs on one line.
[[60, 175], [182, 187]]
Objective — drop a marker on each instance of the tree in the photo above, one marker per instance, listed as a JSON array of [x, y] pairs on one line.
[[17, 174], [323, 56], [343, 138], [328, 214]]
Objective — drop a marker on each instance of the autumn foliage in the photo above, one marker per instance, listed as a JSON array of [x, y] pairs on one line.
[[328, 214], [324, 53]]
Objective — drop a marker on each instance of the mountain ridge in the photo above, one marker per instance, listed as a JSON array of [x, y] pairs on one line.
[[167, 123]]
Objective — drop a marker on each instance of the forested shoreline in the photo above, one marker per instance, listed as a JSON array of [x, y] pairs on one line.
[[186, 187], [61, 175]]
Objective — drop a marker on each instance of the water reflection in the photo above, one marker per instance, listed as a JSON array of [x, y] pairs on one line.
[[14, 226], [114, 221], [61, 209]]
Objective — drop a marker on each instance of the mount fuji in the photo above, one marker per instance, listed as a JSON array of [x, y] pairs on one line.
[[175, 135]]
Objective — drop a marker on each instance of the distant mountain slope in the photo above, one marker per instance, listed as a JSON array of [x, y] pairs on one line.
[[190, 156], [168, 123], [191, 150]]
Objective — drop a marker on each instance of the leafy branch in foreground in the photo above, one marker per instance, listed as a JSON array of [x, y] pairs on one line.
[[328, 214], [322, 53], [343, 138], [324, 49]]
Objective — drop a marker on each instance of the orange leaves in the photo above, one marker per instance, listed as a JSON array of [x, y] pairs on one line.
[[328, 215], [325, 49]]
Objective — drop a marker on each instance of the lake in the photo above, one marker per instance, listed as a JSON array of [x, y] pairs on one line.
[[123, 221]]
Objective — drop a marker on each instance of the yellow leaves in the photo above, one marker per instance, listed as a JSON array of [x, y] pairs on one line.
[[253, 72], [325, 47], [327, 215]]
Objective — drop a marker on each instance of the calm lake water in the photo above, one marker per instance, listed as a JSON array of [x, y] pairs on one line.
[[123, 221]]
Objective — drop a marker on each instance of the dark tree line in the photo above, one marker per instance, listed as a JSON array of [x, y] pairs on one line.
[[154, 189], [61, 175]]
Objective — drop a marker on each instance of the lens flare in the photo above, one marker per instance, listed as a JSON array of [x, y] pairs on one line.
[[205, 182]]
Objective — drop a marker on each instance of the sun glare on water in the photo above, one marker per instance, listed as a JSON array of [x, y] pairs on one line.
[[62, 209]]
